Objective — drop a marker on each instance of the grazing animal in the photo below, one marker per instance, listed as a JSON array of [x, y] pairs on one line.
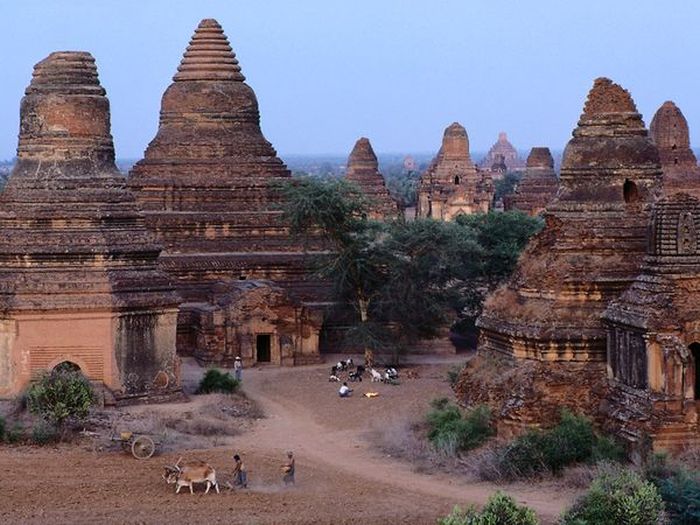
[[376, 376], [190, 473], [360, 369], [333, 378], [355, 376], [334, 370], [392, 373]]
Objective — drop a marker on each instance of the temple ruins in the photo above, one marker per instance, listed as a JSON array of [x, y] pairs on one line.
[[79, 281], [363, 170], [653, 332], [669, 131], [208, 185], [502, 153], [538, 186], [452, 185], [543, 328]]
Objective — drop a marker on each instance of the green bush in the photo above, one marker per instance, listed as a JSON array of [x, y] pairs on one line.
[[679, 488], [60, 396], [44, 433], [217, 381], [451, 432], [500, 509], [571, 441], [620, 497], [15, 434]]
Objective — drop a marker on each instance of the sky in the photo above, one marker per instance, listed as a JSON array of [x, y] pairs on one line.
[[397, 71]]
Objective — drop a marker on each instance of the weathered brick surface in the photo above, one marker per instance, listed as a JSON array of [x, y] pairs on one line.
[[79, 279]]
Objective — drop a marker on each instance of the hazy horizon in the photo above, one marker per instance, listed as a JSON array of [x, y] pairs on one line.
[[397, 72]]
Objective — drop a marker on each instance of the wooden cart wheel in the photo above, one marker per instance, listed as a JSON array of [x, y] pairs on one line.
[[143, 447]]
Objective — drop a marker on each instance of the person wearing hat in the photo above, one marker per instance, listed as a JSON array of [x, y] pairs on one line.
[[238, 368]]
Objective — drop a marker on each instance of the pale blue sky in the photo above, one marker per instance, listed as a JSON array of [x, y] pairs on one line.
[[326, 72]]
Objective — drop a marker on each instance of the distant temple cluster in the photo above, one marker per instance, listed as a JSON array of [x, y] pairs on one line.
[[190, 255]]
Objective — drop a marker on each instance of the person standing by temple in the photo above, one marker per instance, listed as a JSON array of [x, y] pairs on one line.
[[238, 369]]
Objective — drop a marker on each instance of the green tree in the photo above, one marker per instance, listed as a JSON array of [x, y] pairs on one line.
[[506, 185], [500, 509], [404, 280], [620, 497], [62, 395]]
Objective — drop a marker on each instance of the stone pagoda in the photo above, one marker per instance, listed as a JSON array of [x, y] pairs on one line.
[[654, 335], [538, 185], [544, 325], [452, 185], [502, 153], [79, 281], [208, 184], [669, 131], [363, 170]]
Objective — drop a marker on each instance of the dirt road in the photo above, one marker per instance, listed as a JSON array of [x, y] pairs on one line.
[[341, 478]]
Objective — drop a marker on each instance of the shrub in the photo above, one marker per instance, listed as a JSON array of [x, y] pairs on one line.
[[571, 441], [15, 434], [451, 432], [453, 375], [44, 432], [678, 487], [2, 428], [60, 396], [617, 498], [500, 509], [217, 381]]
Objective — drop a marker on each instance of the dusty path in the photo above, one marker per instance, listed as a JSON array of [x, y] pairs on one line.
[[312, 421], [341, 477]]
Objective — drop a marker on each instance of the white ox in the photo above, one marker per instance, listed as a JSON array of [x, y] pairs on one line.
[[190, 473]]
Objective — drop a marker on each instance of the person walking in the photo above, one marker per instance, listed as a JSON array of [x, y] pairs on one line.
[[238, 369]]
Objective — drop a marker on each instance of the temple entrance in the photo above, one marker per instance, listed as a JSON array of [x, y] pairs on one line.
[[66, 366], [262, 348], [695, 351]]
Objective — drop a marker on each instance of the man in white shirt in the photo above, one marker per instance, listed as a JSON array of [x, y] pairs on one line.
[[345, 390]]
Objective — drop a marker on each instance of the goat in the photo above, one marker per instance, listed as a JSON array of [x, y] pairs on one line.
[[190, 473], [376, 376], [334, 370], [355, 376], [332, 378]]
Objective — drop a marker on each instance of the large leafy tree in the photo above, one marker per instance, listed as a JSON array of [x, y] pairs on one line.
[[404, 280]]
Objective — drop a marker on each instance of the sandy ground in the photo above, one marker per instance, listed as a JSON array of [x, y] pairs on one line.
[[341, 476]]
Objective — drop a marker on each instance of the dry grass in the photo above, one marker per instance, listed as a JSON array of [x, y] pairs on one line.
[[208, 420]]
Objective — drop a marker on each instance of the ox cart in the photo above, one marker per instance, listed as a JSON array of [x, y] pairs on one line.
[[140, 445]]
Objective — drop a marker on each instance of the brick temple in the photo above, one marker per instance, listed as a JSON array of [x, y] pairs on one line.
[[208, 186], [79, 280], [452, 185]]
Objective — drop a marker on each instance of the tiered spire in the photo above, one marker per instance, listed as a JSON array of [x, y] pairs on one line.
[[209, 56]]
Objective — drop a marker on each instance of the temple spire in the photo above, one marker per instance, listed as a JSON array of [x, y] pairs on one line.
[[209, 56]]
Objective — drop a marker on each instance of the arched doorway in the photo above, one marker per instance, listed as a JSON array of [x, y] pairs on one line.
[[695, 351], [66, 366]]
